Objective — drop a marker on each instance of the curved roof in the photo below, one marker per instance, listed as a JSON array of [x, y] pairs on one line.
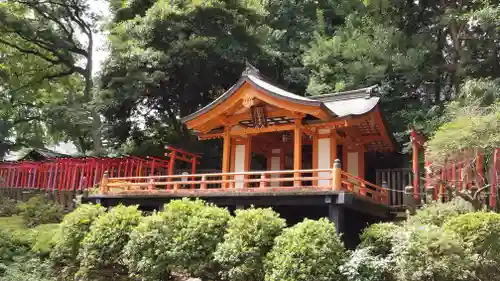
[[348, 103], [253, 77]]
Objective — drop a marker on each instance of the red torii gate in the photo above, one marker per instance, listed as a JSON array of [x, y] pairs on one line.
[[69, 174]]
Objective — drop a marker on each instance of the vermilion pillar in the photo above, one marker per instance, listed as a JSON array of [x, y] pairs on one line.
[[416, 172]]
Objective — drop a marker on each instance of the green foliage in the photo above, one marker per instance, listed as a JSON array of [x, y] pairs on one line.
[[146, 254], [479, 231], [101, 250], [9, 249], [426, 252], [250, 236], [181, 238], [7, 206], [69, 235], [362, 265], [310, 250], [27, 268], [378, 237], [40, 210], [437, 213]]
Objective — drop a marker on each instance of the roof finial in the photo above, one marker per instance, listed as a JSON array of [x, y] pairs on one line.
[[250, 70]]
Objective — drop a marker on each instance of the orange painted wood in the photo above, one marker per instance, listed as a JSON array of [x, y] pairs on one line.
[[226, 151], [297, 151], [415, 169]]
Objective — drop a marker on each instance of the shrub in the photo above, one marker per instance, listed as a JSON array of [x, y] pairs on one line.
[[426, 252], [40, 210], [181, 238], [146, 254], [7, 206], [362, 265], [249, 237], [69, 235], [378, 238], [480, 232], [41, 239], [101, 250], [9, 248], [438, 213], [27, 268], [310, 250]]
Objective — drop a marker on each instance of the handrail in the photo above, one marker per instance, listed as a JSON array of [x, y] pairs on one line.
[[285, 180], [228, 174]]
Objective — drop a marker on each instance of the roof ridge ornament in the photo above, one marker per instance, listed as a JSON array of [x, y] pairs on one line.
[[250, 70]]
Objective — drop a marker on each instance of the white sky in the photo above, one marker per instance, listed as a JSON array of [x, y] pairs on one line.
[[100, 39]]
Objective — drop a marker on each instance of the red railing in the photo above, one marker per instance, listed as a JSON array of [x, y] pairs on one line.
[[75, 173], [290, 181]]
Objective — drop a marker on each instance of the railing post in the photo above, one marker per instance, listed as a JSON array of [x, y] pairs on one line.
[[104, 183], [410, 202], [337, 176], [385, 193], [203, 183], [263, 182], [151, 185]]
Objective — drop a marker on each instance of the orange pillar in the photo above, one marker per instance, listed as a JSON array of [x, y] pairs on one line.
[[494, 180], [479, 170], [297, 153], [226, 151], [416, 172]]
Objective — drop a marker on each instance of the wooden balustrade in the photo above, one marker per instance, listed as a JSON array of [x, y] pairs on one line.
[[258, 181], [364, 188]]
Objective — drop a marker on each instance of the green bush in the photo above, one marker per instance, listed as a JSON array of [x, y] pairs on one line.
[[27, 268], [480, 232], [426, 252], [363, 265], [41, 239], [146, 254], [101, 250], [181, 238], [69, 235], [40, 210], [249, 238], [437, 213], [310, 250], [9, 248], [378, 237], [7, 206]]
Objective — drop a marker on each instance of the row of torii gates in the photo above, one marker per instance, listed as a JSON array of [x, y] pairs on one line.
[[469, 172], [83, 173]]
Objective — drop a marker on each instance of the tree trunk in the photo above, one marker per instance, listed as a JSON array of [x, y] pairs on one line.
[[88, 94]]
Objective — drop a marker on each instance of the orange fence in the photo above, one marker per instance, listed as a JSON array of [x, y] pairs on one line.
[[262, 181]]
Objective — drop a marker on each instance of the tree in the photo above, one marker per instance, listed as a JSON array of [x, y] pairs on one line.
[[169, 60], [249, 237], [50, 32], [289, 35], [310, 250]]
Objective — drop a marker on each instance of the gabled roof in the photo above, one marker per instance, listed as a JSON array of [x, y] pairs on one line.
[[252, 76], [342, 104]]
